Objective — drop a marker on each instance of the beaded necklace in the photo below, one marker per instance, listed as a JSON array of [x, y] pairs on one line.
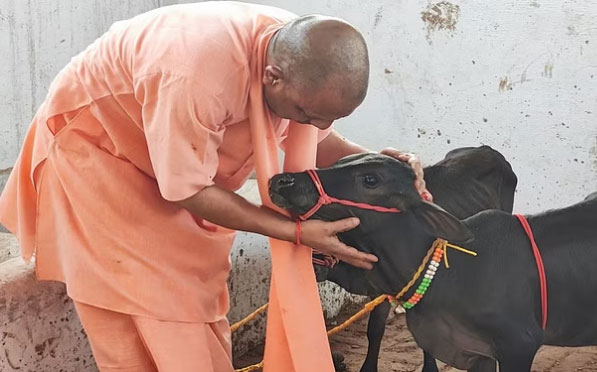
[[434, 256]]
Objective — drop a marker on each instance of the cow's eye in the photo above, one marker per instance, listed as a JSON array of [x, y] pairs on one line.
[[370, 180]]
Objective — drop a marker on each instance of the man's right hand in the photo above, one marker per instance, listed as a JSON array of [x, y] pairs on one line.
[[322, 236], [225, 208]]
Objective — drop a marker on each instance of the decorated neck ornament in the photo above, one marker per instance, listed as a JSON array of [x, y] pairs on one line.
[[434, 256]]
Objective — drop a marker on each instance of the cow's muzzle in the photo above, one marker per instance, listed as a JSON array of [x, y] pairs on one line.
[[278, 185]]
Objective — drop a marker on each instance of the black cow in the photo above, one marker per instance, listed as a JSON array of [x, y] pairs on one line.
[[467, 181], [483, 308]]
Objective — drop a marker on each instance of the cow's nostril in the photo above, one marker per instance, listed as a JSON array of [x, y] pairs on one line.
[[285, 180]]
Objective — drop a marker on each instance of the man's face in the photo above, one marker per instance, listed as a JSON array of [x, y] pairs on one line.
[[316, 107]]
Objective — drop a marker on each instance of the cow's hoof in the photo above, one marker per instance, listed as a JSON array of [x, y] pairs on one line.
[[338, 359]]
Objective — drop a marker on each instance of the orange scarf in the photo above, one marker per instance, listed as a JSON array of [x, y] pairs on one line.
[[296, 339]]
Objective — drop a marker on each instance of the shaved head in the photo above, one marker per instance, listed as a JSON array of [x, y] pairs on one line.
[[315, 50], [316, 55]]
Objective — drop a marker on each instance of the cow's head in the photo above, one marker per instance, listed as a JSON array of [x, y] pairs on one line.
[[377, 180], [370, 178]]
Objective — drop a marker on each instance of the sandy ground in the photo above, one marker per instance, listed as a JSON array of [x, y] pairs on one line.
[[401, 354]]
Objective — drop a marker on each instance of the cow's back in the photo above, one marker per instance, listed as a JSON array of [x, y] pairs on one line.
[[567, 239], [471, 179]]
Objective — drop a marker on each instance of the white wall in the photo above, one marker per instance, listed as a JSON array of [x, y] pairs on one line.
[[37, 38]]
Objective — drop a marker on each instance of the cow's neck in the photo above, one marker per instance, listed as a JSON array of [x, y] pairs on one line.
[[400, 252]]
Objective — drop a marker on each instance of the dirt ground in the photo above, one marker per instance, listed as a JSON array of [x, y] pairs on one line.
[[401, 354]]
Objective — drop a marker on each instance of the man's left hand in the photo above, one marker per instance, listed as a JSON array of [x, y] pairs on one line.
[[414, 161]]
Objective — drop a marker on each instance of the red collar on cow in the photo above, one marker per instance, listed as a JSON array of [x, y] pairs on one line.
[[540, 268], [319, 258], [437, 251], [325, 199]]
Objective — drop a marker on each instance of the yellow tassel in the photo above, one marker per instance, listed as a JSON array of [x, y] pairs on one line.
[[445, 245], [461, 249]]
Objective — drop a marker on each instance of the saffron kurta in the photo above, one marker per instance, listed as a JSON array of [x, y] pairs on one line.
[[152, 112]]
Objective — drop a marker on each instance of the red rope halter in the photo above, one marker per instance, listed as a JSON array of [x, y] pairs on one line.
[[325, 199]]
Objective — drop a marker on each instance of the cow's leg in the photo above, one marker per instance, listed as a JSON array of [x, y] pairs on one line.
[[517, 359], [375, 330], [429, 364], [484, 365], [516, 365]]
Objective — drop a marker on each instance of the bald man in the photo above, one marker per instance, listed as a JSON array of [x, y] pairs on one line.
[[124, 188]]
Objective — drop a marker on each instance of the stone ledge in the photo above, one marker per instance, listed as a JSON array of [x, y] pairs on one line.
[[40, 330], [9, 247]]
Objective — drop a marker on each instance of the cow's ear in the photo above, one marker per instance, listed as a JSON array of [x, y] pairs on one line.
[[441, 224]]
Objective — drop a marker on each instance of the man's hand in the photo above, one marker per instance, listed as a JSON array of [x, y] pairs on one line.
[[415, 163], [225, 208], [321, 236]]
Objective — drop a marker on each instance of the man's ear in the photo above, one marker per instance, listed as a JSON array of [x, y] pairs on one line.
[[441, 224], [272, 75]]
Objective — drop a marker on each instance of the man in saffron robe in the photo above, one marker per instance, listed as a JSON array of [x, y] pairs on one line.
[[124, 188]]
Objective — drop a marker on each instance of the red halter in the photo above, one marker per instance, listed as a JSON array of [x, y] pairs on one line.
[[325, 199]]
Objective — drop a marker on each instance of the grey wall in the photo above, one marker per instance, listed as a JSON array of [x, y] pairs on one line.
[[37, 39]]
